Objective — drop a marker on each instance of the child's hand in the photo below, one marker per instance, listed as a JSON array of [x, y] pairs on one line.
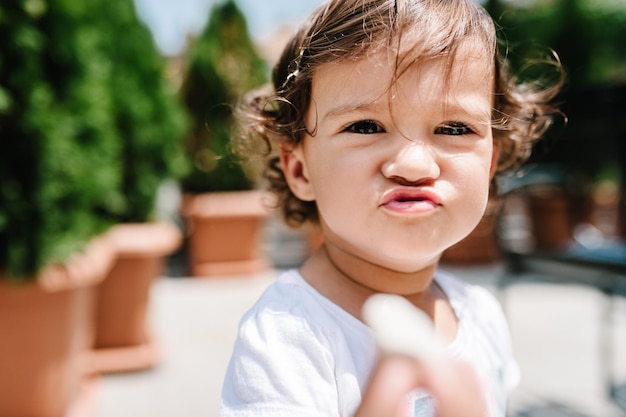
[[414, 357], [453, 385]]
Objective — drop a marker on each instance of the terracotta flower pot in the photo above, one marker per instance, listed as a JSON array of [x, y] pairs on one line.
[[46, 330], [549, 213], [225, 231], [479, 247], [123, 341]]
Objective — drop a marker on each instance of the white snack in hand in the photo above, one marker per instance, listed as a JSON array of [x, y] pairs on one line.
[[401, 328]]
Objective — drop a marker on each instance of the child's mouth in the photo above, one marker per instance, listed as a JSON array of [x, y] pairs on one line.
[[417, 201]]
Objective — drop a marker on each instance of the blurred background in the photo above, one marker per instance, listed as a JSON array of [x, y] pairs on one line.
[[132, 238]]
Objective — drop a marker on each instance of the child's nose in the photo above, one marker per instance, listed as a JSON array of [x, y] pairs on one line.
[[413, 162]]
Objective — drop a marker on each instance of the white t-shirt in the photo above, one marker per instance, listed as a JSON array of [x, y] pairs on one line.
[[299, 354]]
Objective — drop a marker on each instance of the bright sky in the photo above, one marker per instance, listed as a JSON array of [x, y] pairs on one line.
[[171, 21]]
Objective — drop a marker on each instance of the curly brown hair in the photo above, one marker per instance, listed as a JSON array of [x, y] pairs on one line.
[[414, 30]]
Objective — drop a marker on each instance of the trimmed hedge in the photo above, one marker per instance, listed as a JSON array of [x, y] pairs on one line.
[[149, 117], [82, 96], [222, 64]]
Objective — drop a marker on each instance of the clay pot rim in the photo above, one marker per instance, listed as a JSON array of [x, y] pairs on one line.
[[148, 239], [251, 203], [85, 268]]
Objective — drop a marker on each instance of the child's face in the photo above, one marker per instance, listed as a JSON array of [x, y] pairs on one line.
[[398, 174]]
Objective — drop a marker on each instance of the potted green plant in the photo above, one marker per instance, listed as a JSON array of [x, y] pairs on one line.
[[224, 214], [149, 120], [57, 173]]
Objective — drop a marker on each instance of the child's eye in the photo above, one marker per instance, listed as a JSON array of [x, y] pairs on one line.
[[365, 127], [454, 129]]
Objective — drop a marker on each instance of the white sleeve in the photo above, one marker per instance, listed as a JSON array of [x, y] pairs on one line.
[[280, 367]]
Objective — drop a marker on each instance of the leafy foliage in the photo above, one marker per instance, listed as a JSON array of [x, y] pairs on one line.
[[588, 37], [222, 64], [70, 108], [149, 118]]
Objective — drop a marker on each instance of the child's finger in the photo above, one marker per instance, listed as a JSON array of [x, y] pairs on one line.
[[455, 387], [385, 396], [415, 358]]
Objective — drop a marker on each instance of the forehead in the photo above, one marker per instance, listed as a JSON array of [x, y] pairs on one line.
[[378, 78]]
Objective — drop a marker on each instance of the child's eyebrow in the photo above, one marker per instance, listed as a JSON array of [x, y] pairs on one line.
[[469, 107], [348, 108]]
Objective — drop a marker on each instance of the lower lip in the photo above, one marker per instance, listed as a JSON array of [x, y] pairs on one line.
[[411, 207]]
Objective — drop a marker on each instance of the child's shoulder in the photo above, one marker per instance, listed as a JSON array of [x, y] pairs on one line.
[[289, 293], [291, 317], [291, 301], [466, 297]]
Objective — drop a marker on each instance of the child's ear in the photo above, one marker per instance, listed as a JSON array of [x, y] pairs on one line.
[[296, 173]]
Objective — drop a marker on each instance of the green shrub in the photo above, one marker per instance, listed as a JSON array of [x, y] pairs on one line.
[[88, 127], [222, 63], [587, 35], [57, 163], [148, 114]]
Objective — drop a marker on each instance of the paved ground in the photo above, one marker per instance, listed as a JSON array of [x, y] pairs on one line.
[[556, 332]]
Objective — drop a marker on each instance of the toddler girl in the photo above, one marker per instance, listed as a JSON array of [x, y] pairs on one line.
[[385, 125]]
